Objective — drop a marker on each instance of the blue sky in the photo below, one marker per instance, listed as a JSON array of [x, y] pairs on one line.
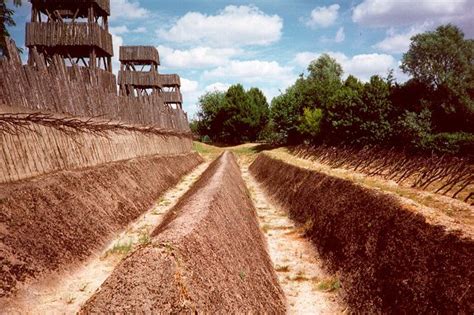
[[212, 44]]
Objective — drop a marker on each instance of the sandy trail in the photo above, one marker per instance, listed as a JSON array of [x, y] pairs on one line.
[[308, 288], [65, 293]]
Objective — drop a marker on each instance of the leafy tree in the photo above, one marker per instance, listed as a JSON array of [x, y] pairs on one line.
[[325, 68], [6, 20], [260, 112], [234, 116], [444, 61], [310, 124]]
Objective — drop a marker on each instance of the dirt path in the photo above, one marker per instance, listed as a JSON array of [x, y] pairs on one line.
[[308, 288], [64, 294]]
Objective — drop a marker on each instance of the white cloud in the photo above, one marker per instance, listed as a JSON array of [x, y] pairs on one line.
[[323, 16], [232, 27], [188, 86], [340, 36], [139, 30], [195, 58], [217, 86], [362, 66], [252, 71], [399, 42], [127, 9], [388, 13], [117, 42], [123, 29]]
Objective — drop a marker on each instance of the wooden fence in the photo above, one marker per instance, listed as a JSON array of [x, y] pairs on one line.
[[79, 91], [54, 34], [31, 145]]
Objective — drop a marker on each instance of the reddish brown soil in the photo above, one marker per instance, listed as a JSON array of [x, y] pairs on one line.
[[207, 256], [54, 220], [390, 259]]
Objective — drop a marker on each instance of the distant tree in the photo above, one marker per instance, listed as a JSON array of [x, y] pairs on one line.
[[6, 20], [310, 123], [209, 116], [324, 68], [444, 61], [234, 116], [260, 112]]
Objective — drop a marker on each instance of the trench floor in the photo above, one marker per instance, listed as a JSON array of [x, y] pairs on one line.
[[65, 293], [309, 289]]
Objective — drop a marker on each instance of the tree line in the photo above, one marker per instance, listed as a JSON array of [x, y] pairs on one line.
[[431, 112]]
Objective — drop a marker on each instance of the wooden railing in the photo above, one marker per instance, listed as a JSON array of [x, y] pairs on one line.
[[68, 34], [172, 97], [139, 79], [139, 54], [170, 80], [102, 4]]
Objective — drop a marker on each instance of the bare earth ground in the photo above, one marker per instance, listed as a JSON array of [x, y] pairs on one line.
[[308, 288], [66, 293]]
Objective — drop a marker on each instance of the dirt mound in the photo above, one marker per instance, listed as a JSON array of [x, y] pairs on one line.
[[57, 219], [208, 256], [390, 259]]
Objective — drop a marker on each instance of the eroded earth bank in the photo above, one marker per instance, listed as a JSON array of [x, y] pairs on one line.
[[208, 255], [390, 258]]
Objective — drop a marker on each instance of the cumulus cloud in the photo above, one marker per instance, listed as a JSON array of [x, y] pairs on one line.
[[399, 42], [123, 29], [387, 13], [232, 27], [362, 66], [340, 36], [323, 16], [195, 58], [217, 86], [188, 86], [252, 71], [117, 42], [127, 9]]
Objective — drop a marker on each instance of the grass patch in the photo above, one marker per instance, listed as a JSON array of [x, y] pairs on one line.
[[144, 238], [120, 248], [300, 276], [266, 228], [328, 285], [284, 268]]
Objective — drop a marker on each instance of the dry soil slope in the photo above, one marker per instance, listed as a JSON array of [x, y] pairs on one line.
[[52, 221], [208, 255], [390, 258]]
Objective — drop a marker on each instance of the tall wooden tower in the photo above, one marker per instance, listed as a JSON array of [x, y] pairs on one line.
[[139, 70], [139, 75], [170, 89], [75, 30]]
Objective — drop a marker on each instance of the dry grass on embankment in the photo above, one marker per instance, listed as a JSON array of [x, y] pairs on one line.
[[391, 260], [208, 256], [52, 221]]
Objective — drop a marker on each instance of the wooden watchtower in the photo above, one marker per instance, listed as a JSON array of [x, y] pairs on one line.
[[75, 30], [139, 70], [139, 75], [170, 89]]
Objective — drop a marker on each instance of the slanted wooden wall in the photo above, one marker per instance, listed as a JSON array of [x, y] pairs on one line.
[[79, 91]]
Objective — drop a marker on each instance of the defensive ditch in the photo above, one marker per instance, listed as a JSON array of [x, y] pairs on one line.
[[55, 220], [208, 255], [391, 260]]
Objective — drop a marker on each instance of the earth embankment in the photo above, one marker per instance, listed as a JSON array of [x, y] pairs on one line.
[[208, 255], [391, 259], [52, 221]]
